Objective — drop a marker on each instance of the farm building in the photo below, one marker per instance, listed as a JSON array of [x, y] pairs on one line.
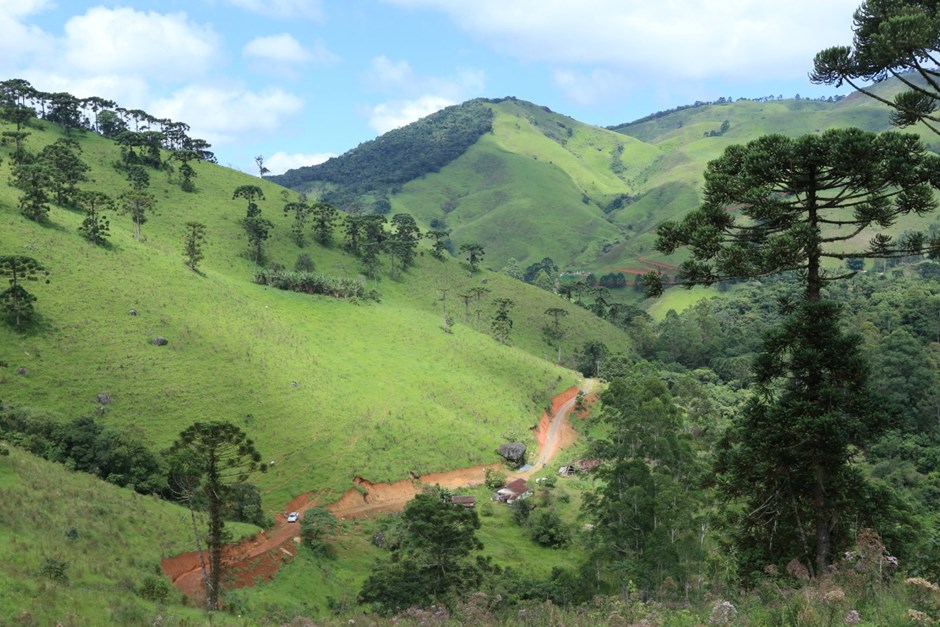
[[513, 490]]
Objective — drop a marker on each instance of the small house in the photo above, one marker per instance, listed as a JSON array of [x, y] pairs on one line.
[[516, 489], [468, 502]]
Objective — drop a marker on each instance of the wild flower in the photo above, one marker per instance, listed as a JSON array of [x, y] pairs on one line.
[[916, 616], [723, 613], [796, 570], [920, 582], [924, 595], [834, 596]]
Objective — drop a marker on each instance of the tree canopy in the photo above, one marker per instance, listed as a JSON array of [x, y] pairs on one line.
[[779, 204], [211, 457], [892, 38]]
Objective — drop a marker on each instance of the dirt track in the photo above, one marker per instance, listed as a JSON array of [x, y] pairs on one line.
[[257, 559]]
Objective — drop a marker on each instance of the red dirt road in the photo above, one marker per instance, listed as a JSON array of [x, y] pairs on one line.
[[258, 558]]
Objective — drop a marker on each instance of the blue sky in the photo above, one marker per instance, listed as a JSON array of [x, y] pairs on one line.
[[298, 81]]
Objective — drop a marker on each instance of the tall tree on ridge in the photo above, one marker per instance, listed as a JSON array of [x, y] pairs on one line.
[[893, 38]]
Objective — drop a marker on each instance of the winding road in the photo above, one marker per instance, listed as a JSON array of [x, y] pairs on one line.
[[258, 558]]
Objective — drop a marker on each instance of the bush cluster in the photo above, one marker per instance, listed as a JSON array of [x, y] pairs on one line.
[[310, 283]]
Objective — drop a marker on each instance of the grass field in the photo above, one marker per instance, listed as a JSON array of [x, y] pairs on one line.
[[111, 541], [375, 388]]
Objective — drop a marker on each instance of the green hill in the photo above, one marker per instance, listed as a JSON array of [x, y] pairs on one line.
[[540, 184], [328, 388]]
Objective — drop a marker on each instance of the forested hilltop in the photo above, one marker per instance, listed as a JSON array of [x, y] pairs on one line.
[[381, 166], [189, 355]]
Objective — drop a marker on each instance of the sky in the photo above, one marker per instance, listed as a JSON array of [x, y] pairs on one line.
[[299, 81]]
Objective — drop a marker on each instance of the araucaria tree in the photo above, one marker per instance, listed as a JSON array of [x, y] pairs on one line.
[[94, 227], [474, 255], [137, 201], [325, 217], [34, 177], [781, 204], [502, 323], [899, 38], [257, 229], [66, 169], [432, 562], [211, 457], [440, 239], [192, 244], [403, 242], [300, 209], [252, 194], [15, 302]]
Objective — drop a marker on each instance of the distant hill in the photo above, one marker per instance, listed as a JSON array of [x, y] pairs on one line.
[[540, 184], [379, 166]]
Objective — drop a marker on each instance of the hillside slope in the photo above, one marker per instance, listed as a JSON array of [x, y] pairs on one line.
[[540, 184], [106, 541], [329, 389]]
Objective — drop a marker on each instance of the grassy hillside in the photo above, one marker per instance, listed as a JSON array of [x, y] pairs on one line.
[[110, 540], [329, 389], [542, 184]]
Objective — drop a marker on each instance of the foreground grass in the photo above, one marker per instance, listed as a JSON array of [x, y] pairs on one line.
[[111, 541]]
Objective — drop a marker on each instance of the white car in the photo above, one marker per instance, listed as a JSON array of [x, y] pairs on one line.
[[293, 516]]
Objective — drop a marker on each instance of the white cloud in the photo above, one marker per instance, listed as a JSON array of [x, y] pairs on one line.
[[307, 9], [22, 8], [281, 162], [19, 42], [128, 92], [416, 96], [391, 74], [219, 114], [685, 39], [390, 115], [283, 48], [591, 87], [128, 42]]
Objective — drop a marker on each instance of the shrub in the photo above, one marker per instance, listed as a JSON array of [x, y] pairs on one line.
[[55, 569], [494, 479], [304, 263], [310, 283], [154, 589], [316, 525], [548, 529]]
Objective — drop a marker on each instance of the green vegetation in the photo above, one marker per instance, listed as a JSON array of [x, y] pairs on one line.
[[891, 39], [74, 548], [378, 166], [688, 492]]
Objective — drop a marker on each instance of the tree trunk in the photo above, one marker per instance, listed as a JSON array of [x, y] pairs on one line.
[[823, 539], [202, 558]]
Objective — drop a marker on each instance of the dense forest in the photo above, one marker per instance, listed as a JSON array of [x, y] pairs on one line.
[[380, 165]]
